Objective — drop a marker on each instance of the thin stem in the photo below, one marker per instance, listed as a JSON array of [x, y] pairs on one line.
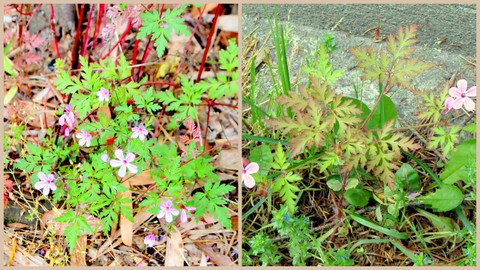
[[129, 26], [85, 40], [209, 41]]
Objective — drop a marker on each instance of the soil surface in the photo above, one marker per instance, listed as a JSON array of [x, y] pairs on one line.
[[446, 37]]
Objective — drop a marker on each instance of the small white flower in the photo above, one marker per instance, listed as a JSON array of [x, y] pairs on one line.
[[150, 240], [139, 132], [248, 180], [124, 163], [167, 211], [45, 183], [85, 138], [105, 158], [103, 95]]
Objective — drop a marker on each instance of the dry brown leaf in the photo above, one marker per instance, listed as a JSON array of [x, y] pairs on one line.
[[43, 95], [59, 227], [17, 226], [206, 9], [78, 255], [228, 23], [126, 226], [217, 259], [138, 219], [106, 111], [23, 257], [228, 159], [174, 254], [142, 179]]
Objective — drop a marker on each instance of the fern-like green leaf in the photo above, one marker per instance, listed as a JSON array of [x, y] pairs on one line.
[[287, 189]]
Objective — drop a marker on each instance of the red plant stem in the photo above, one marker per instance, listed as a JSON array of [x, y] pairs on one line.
[[134, 58], [129, 26], [157, 127], [144, 58], [32, 12], [209, 41], [342, 193], [20, 27], [101, 11], [189, 42], [85, 40], [52, 24], [147, 50], [19, 10], [77, 36]]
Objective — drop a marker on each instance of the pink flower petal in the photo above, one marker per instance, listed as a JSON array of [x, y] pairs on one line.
[[39, 185], [469, 104], [70, 118], [42, 176], [122, 171], [457, 103], [174, 212], [132, 168], [105, 158], [115, 163], [119, 154], [471, 92], [183, 216], [46, 190], [462, 85], [161, 214], [168, 217], [248, 180], [61, 121], [455, 92], [252, 168], [130, 157]]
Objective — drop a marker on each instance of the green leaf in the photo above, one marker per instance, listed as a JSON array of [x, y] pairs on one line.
[[262, 155], [444, 199], [359, 104], [10, 95], [72, 232], [457, 167], [389, 113], [358, 196], [409, 177], [372, 225], [442, 224]]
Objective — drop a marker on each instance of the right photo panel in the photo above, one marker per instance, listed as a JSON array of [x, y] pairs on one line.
[[359, 127]]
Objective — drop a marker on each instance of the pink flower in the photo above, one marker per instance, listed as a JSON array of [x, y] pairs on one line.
[[246, 177], [66, 131], [413, 195], [139, 132], [123, 163], [85, 138], [150, 240], [105, 158], [67, 117], [108, 31], [113, 12], [460, 96], [103, 94], [167, 211], [183, 216], [45, 183]]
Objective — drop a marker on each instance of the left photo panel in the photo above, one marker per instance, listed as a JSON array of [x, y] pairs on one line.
[[121, 135]]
